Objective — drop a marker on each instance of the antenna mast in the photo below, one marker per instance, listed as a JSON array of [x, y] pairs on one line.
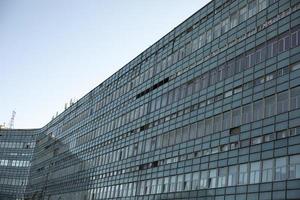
[[12, 120]]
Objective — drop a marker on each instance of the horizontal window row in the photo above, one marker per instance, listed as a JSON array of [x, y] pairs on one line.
[[17, 145], [277, 169], [15, 163]]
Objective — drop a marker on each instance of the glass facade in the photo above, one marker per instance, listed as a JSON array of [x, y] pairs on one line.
[[210, 111]]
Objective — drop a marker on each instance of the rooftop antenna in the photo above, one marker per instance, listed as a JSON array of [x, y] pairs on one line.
[[12, 120]]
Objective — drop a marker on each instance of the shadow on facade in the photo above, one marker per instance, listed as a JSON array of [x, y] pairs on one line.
[[56, 170]]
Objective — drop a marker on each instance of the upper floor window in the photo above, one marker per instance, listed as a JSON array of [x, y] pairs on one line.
[[252, 8], [243, 14], [225, 25], [262, 4], [234, 19]]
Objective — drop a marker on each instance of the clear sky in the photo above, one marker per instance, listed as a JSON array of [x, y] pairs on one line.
[[55, 50]]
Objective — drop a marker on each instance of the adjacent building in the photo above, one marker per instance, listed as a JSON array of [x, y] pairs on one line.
[[210, 111]]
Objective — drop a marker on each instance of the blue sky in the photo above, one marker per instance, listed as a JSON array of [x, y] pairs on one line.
[[55, 50]]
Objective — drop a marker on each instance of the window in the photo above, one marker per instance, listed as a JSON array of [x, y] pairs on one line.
[[173, 184], [153, 186], [254, 172], [187, 184], [217, 30], [178, 138], [195, 181], [236, 117], [294, 131], [234, 19], [295, 39], [188, 48], [222, 177], [209, 126], [180, 183], [270, 106], [294, 166], [252, 8], [282, 102], [228, 94], [232, 175], [218, 123], [243, 174], [226, 120], [282, 134], [280, 168], [295, 98], [258, 110], [166, 184], [213, 178], [243, 14], [208, 36], [195, 44], [256, 140], [160, 185], [295, 67], [202, 40], [193, 131], [267, 168], [225, 25], [262, 4], [247, 113], [201, 128], [203, 179]]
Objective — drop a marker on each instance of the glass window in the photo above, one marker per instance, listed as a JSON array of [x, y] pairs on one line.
[[295, 166], [202, 40], [187, 185], [258, 110], [232, 175], [208, 36], [270, 106], [166, 184], [262, 4], [295, 98], [247, 113], [252, 8], [142, 188], [267, 169], [217, 30], [195, 44], [222, 177], [173, 184], [243, 14], [236, 117], [153, 186], [180, 182], [188, 48], [225, 25], [209, 126], [159, 185], [282, 134], [203, 179], [201, 128], [254, 172], [280, 168], [148, 187], [218, 123], [234, 19], [294, 39], [213, 178], [195, 181], [193, 131], [178, 138], [226, 120], [243, 174]]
